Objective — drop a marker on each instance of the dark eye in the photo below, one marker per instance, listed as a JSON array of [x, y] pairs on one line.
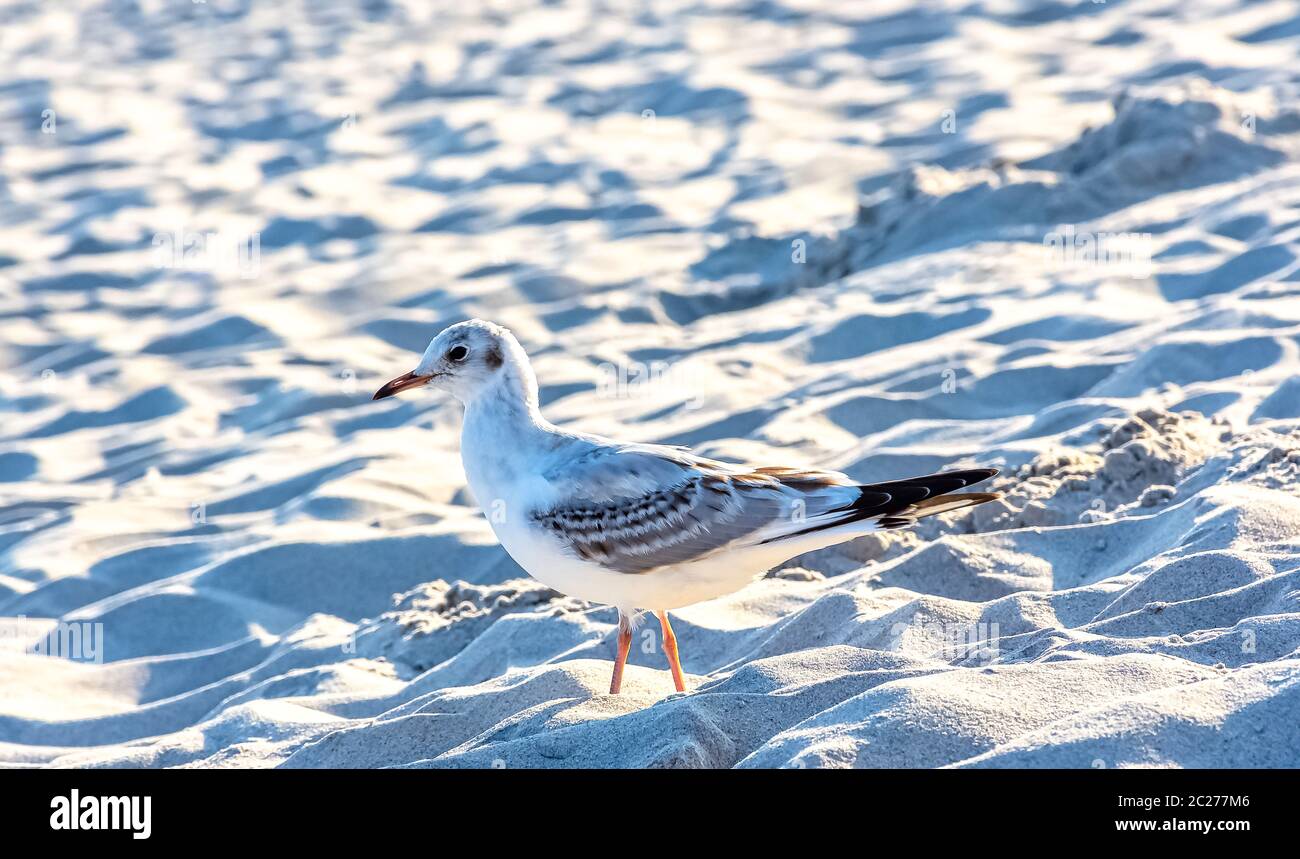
[[457, 353]]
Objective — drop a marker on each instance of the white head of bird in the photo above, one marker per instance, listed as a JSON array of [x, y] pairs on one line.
[[471, 360]]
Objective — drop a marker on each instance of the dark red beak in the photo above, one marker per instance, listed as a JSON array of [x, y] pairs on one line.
[[402, 383]]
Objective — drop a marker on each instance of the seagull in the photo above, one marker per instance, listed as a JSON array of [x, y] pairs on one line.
[[643, 527]]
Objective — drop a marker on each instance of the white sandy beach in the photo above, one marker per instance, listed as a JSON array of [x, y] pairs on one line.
[[1059, 238]]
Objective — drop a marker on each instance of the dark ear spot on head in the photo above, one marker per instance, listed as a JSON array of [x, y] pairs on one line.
[[493, 358]]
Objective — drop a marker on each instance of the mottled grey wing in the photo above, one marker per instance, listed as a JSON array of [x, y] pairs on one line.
[[637, 508]]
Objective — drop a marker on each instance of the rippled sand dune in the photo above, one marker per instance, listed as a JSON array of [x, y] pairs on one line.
[[884, 238]]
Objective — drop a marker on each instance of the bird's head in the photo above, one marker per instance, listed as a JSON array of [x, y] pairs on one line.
[[467, 359]]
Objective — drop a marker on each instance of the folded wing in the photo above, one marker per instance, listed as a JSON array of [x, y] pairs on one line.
[[637, 508]]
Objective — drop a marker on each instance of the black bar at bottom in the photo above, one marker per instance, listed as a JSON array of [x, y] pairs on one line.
[[207, 808]]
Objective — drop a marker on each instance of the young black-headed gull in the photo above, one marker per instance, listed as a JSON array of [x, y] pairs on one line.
[[643, 526]]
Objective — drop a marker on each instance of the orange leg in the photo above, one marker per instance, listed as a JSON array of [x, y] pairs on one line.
[[670, 648], [624, 642]]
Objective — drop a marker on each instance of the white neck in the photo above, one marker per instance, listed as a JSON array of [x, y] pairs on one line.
[[502, 433]]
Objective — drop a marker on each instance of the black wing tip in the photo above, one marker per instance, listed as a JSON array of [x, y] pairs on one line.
[[939, 483], [974, 475], [892, 504], [968, 477]]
